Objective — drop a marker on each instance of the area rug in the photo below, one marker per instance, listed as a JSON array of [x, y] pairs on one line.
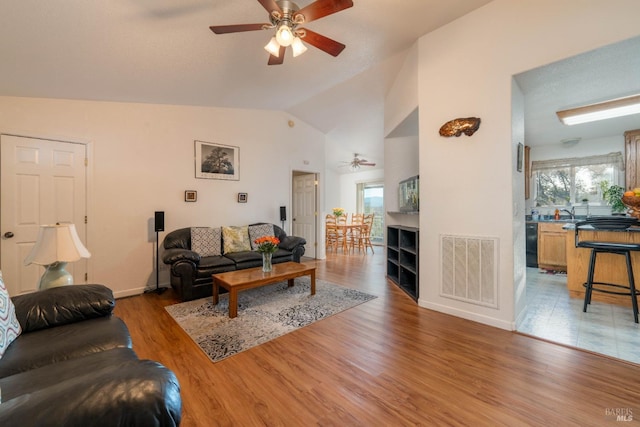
[[264, 313]]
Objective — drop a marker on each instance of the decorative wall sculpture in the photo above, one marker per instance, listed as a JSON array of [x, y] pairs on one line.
[[456, 127]]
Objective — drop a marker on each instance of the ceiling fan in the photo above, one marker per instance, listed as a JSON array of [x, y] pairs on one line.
[[286, 17], [356, 162]]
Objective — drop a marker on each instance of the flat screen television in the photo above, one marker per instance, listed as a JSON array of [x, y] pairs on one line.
[[408, 194]]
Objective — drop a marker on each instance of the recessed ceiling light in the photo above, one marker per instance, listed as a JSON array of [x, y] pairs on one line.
[[603, 110]]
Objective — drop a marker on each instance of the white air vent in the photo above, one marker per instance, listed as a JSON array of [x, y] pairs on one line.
[[470, 269]]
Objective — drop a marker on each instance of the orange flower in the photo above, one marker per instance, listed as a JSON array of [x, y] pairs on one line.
[[267, 244]]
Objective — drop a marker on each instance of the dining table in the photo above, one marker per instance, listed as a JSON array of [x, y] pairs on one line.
[[345, 229]]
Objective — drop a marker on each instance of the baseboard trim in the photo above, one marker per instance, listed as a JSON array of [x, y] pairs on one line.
[[486, 320]]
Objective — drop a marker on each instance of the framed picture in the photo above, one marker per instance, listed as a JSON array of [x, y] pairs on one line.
[[190, 196], [520, 159], [242, 197], [217, 161]]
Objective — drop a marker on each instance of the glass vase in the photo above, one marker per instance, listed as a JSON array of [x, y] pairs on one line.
[[266, 261]]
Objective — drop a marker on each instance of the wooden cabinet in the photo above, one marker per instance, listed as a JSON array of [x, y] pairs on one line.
[[552, 252], [402, 258], [632, 158]]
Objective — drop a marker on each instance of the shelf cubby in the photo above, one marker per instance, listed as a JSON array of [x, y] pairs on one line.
[[402, 258]]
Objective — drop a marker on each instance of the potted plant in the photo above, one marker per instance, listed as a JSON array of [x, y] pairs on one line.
[[613, 196]]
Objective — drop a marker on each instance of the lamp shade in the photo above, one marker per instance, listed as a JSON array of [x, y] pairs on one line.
[[284, 35], [298, 47], [57, 243], [273, 47]]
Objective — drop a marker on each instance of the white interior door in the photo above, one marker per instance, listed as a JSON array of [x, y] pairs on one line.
[[42, 182], [304, 211]]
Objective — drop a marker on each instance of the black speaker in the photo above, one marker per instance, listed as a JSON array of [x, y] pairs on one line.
[[159, 221], [283, 213]]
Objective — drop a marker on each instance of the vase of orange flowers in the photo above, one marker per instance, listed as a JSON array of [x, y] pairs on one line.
[[267, 246]]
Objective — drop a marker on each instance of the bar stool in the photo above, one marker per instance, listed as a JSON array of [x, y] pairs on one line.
[[616, 248]]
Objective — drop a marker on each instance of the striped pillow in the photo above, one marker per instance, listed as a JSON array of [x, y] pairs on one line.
[[9, 326]]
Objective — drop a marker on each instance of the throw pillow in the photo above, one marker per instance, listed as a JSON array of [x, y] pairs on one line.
[[256, 231], [205, 241], [9, 326], [235, 239]]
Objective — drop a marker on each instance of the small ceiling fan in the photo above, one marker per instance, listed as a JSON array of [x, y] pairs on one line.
[[286, 17], [356, 162]]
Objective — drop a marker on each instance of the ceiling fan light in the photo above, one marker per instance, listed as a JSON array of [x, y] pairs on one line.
[[298, 47], [284, 35], [273, 47]]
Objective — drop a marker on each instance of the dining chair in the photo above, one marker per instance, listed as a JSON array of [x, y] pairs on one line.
[[355, 231], [333, 237], [364, 236]]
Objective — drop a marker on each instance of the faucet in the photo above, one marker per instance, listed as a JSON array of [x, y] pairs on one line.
[[572, 212]]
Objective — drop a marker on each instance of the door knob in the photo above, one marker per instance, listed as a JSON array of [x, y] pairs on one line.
[[8, 235]]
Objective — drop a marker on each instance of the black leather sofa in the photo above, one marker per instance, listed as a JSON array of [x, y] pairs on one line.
[[73, 365], [191, 273]]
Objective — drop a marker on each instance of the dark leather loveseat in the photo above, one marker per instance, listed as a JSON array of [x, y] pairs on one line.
[[191, 273], [73, 365]]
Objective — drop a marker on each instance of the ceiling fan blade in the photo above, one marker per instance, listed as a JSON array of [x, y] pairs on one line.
[[367, 164], [326, 44], [277, 60], [321, 8], [270, 5], [224, 29]]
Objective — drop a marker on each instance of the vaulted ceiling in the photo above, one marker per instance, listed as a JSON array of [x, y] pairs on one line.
[[162, 51]]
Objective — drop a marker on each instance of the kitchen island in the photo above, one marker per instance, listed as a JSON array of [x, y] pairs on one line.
[[609, 268]]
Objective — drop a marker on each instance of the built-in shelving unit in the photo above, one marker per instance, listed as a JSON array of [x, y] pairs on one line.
[[402, 258]]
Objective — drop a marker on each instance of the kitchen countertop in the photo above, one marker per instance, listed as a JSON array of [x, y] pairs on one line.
[[569, 224], [589, 227], [562, 219]]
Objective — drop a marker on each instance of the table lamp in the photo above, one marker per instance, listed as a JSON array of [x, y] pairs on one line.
[[56, 246]]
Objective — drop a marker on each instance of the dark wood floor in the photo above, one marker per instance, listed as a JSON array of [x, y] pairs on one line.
[[386, 362]]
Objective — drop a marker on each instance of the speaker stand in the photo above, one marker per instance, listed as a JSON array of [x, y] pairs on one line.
[[158, 290]]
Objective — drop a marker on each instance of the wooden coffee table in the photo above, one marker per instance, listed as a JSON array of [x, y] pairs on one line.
[[239, 280]]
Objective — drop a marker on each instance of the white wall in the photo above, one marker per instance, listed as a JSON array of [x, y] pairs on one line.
[[402, 98], [401, 152], [519, 239], [466, 69], [349, 183], [402, 162], [143, 160]]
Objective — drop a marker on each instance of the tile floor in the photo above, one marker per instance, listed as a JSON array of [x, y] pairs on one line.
[[605, 328]]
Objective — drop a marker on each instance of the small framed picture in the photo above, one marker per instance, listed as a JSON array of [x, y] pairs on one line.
[[520, 159], [242, 197], [190, 196]]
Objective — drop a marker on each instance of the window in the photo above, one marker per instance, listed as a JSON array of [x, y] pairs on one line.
[[371, 201], [561, 182]]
